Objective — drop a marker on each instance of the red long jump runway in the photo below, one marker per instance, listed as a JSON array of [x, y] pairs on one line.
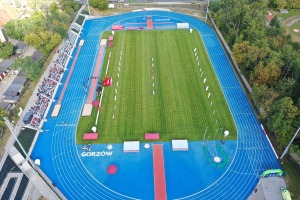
[[159, 173], [149, 24], [96, 73], [69, 76]]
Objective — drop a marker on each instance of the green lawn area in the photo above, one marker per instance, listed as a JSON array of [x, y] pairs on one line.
[[295, 35], [25, 137], [285, 16], [180, 107], [292, 178]]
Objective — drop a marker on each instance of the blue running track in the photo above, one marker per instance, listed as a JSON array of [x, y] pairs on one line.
[[61, 158]]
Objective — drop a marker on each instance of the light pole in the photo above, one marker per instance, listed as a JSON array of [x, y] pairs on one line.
[[287, 148], [11, 128], [206, 11], [88, 6]]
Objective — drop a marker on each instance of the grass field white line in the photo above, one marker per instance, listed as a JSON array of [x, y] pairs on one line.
[[173, 73], [102, 92]]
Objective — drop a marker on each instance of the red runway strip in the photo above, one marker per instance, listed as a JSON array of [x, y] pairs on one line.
[[159, 173], [149, 24], [69, 76], [96, 73]]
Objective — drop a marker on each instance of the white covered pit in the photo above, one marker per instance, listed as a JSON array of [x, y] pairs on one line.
[[131, 146], [180, 145]]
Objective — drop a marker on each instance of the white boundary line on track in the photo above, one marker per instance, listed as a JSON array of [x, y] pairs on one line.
[[265, 132]]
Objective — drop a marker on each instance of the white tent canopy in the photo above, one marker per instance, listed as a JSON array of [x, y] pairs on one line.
[[183, 25], [131, 146], [180, 145]]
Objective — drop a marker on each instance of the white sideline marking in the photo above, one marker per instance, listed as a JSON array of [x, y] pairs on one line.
[[115, 98], [153, 92], [153, 84], [117, 84], [116, 91], [262, 127], [119, 68], [198, 63]]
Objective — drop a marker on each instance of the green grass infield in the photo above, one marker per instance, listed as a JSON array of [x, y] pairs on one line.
[[166, 95]]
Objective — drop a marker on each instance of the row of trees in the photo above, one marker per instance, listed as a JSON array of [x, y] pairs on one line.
[[45, 28], [31, 68], [100, 4], [6, 50], [268, 58], [291, 4]]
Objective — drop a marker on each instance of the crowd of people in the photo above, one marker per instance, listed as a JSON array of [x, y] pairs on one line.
[[56, 72], [38, 110], [48, 86]]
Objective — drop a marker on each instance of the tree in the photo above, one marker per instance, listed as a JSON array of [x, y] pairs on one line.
[[247, 55], [3, 113], [284, 113], [17, 29], [280, 4], [101, 4], [13, 31], [32, 69], [268, 74], [253, 28], [6, 49], [293, 4], [291, 60], [275, 27], [43, 40], [263, 98], [53, 8], [285, 87], [61, 31]]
